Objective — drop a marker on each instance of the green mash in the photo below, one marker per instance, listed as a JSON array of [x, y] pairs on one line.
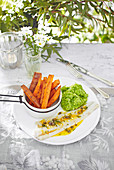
[[73, 97]]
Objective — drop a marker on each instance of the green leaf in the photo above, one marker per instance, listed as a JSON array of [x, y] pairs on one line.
[[55, 51], [105, 39], [95, 38], [69, 9], [49, 51], [64, 26], [69, 30], [75, 29], [92, 4], [85, 8], [51, 19], [101, 4], [79, 6]]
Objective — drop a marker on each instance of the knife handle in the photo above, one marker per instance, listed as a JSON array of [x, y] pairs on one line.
[[101, 79], [83, 70]]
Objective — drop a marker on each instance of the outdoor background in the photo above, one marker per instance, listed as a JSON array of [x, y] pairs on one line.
[[48, 22]]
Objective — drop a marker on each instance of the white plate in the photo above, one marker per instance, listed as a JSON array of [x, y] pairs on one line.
[[27, 122]]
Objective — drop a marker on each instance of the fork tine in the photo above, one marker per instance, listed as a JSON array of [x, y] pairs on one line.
[[74, 71], [78, 75]]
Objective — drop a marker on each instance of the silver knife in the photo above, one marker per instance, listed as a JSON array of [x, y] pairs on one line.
[[83, 70]]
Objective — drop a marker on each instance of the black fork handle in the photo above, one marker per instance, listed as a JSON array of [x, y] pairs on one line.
[[8, 95]]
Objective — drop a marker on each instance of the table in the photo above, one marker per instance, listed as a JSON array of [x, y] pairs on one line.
[[96, 151]]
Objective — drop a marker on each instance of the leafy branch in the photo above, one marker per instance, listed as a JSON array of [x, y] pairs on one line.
[[68, 17]]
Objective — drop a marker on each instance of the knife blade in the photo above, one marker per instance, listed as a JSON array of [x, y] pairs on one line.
[[85, 71]]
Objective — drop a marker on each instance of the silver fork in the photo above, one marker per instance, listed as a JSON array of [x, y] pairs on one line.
[[80, 76]]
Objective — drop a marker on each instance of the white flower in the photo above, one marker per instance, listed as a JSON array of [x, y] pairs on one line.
[[11, 11], [56, 31], [37, 36], [40, 43], [26, 30]]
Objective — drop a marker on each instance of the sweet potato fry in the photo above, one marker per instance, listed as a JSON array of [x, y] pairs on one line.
[[54, 97], [38, 85], [47, 91], [34, 81], [52, 93], [34, 85], [31, 97], [55, 83], [40, 91], [43, 89]]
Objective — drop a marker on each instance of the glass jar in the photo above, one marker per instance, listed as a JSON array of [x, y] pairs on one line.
[[32, 62], [10, 50]]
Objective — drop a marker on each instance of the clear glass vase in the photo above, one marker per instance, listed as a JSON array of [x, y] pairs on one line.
[[10, 50], [32, 62]]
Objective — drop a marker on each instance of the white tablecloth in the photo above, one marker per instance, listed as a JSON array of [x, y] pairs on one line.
[[18, 151]]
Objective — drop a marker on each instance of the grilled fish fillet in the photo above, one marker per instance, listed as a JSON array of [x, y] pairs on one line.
[[49, 127]]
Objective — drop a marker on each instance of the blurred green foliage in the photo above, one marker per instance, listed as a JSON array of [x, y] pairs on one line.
[[87, 21]]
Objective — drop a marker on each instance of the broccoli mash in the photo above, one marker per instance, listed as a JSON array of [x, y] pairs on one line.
[[73, 97]]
